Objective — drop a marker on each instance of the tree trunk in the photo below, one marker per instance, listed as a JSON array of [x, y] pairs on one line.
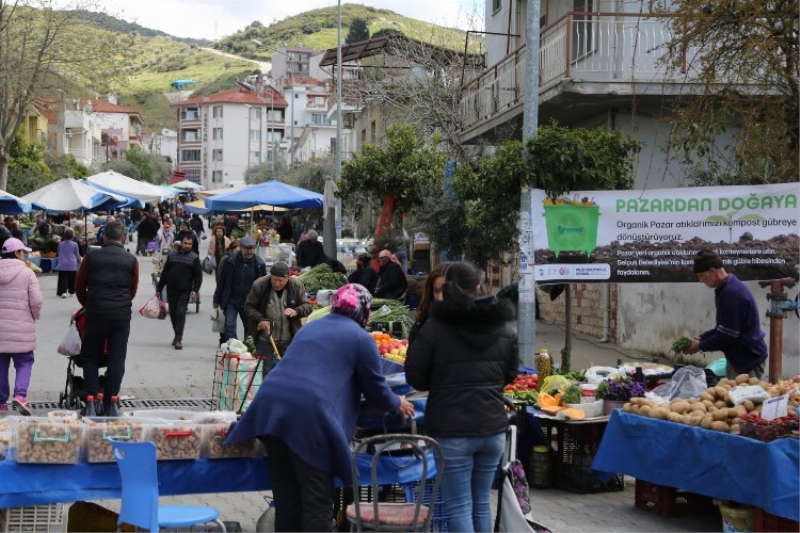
[[3, 171], [566, 353]]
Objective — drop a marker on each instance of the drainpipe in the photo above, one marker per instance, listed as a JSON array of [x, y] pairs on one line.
[[606, 312]]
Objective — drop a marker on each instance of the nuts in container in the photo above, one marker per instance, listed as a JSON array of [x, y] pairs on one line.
[[5, 438], [48, 440], [214, 446], [97, 447], [175, 440]]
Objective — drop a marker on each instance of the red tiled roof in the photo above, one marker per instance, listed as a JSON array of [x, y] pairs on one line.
[[104, 106], [48, 107], [236, 96]]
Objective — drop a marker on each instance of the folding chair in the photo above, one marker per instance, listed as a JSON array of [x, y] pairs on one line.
[[138, 469], [416, 462]]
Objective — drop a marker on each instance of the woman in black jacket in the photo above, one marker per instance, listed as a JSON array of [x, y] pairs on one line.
[[465, 355]]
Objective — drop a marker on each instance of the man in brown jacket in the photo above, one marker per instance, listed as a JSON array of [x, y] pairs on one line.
[[276, 304]]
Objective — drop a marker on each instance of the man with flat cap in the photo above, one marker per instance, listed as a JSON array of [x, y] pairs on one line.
[[276, 305], [236, 277], [310, 252], [738, 332]]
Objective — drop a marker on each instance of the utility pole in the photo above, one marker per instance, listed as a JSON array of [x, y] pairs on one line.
[[526, 310], [329, 229]]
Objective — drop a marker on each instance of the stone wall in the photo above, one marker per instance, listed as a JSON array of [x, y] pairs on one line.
[[587, 309]]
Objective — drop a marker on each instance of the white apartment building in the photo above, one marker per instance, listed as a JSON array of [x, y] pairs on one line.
[[163, 142], [221, 135]]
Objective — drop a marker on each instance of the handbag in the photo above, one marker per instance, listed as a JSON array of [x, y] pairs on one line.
[[70, 345], [218, 321], [208, 265]]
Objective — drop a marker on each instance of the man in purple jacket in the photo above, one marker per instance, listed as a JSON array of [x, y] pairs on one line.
[[738, 332]]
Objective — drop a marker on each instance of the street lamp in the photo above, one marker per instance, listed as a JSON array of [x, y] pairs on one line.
[[291, 104]]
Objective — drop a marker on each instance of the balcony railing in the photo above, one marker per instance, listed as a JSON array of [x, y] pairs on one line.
[[599, 47]]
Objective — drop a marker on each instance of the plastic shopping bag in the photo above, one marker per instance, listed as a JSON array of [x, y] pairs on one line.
[[218, 321], [162, 309], [152, 309], [208, 265], [71, 343]]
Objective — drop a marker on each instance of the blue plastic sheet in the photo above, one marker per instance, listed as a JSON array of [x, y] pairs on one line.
[[715, 464]]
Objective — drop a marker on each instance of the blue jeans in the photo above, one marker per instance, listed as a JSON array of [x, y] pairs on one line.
[[232, 312], [470, 464]]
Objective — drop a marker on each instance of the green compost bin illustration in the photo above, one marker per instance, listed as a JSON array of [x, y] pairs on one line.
[[571, 228]]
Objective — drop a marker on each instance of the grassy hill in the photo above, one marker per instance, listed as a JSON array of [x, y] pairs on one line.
[[159, 59]]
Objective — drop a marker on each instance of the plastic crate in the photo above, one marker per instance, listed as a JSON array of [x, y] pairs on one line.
[[769, 522], [50, 518], [439, 519], [577, 445], [667, 501]]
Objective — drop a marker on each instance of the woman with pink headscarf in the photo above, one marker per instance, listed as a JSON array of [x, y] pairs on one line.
[[392, 282]]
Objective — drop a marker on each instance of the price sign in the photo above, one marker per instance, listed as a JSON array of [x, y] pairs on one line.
[[775, 407]]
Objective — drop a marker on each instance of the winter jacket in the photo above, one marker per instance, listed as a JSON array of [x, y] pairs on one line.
[[69, 256], [236, 279], [310, 400], [255, 307], [464, 356], [392, 282], [107, 281], [181, 273], [20, 306], [310, 253], [738, 333], [366, 277]]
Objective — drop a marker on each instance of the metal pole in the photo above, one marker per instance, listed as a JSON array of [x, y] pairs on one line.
[[526, 310], [269, 132], [291, 125], [329, 222]]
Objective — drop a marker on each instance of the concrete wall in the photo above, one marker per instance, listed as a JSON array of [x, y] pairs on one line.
[[652, 316], [588, 307]]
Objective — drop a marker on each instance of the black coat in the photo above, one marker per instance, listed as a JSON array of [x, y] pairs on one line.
[[464, 356], [392, 282]]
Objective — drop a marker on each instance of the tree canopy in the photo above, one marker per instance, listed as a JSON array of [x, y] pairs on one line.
[[359, 31]]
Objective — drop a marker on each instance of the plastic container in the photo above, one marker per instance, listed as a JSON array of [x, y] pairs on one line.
[[540, 468], [165, 414], [175, 439], [62, 414], [737, 519], [588, 391], [213, 432], [592, 410], [667, 501], [96, 446], [43, 440]]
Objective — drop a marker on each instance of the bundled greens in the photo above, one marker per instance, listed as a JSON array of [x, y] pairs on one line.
[[321, 277], [387, 311], [681, 344]]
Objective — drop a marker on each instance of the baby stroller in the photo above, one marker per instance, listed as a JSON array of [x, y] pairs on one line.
[[74, 395]]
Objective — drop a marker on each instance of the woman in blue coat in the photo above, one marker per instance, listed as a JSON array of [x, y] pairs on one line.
[[305, 411]]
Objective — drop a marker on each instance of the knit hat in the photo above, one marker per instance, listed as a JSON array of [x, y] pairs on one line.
[[353, 300], [705, 260], [312, 235], [279, 270]]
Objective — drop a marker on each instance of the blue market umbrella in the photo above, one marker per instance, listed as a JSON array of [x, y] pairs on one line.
[[271, 192], [12, 205], [68, 194]]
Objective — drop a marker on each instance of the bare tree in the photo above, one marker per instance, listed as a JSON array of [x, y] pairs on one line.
[[43, 49]]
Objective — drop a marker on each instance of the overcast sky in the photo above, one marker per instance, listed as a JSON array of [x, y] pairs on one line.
[[213, 19]]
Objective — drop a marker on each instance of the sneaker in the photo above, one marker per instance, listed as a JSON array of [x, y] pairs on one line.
[[178, 345], [22, 405], [3, 409], [64, 295]]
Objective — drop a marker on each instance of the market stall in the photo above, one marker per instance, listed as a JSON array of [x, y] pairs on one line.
[[712, 463]]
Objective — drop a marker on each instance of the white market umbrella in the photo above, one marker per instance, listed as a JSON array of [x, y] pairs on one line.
[[115, 182], [68, 194], [187, 186]]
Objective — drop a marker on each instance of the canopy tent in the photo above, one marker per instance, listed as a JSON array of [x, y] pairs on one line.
[[211, 192], [68, 194], [187, 185], [132, 201], [115, 182], [198, 207], [13, 205], [271, 192]]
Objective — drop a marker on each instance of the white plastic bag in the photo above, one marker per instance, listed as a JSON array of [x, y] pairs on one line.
[[218, 321], [597, 374], [742, 393], [71, 343], [687, 382], [152, 309]]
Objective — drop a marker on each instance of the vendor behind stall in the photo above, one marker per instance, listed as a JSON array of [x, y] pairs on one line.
[[319, 381]]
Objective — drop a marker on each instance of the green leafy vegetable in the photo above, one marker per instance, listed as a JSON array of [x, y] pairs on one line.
[[321, 277], [681, 344]]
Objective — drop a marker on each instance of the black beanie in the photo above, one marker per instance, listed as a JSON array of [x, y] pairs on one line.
[[705, 260]]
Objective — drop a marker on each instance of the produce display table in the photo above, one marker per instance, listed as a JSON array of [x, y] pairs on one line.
[[705, 462], [32, 484]]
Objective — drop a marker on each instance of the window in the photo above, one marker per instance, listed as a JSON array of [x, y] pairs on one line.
[[255, 135], [191, 136], [255, 157], [270, 155], [372, 131], [255, 113], [496, 5], [333, 145], [190, 156], [275, 116], [190, 113], [363, 136], [216, 112], [319, 119], [582, 29], [193, 176], [216, 134], [216, 154], [274, 136], [216, 176]]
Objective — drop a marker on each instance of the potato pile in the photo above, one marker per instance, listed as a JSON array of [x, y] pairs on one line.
[[49, 440], [713, 409], [176, 441], [96, 446]]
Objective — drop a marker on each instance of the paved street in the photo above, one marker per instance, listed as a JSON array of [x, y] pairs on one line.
[[156, 371]]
